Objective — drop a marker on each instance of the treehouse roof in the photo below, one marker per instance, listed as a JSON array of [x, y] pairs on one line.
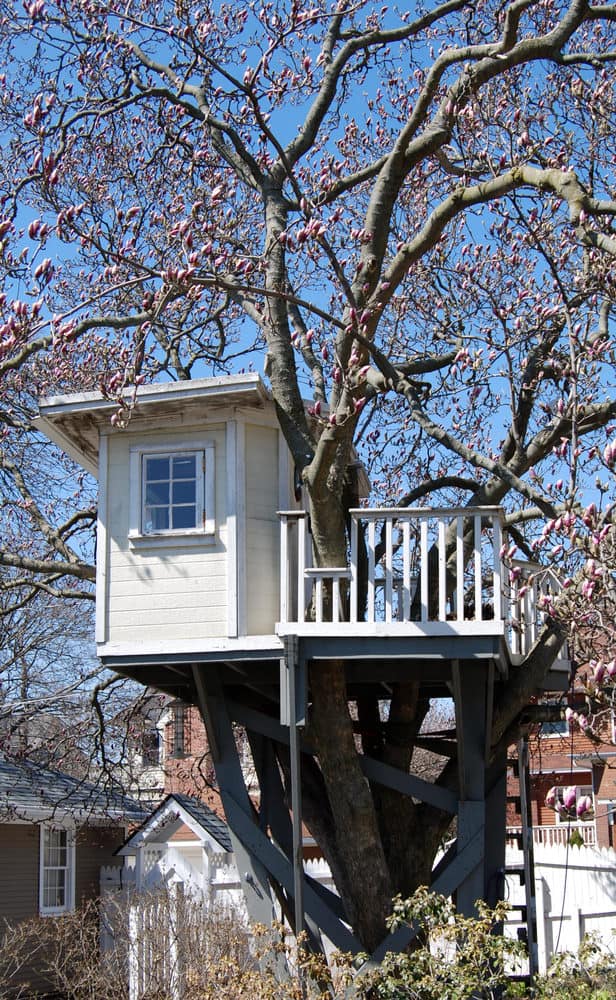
[[74, 421]]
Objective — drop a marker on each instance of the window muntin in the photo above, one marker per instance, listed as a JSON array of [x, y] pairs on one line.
[[56, 870], [172, 492]]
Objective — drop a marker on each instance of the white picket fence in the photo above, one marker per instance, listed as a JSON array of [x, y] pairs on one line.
[[575, 891]]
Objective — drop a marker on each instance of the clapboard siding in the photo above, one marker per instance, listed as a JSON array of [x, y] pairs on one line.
[[19, 871], [94, 848], [262, 530], [164, 591]]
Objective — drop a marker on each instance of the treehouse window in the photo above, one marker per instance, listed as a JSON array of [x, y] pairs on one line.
[[172, 492]]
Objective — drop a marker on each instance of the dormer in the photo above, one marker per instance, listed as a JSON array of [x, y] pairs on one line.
[[188, 535]]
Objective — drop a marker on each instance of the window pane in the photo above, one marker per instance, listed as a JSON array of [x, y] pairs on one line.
[[54, 888], [184, 467], [185, 517], [184, 492], [156, 518], [54, 853], [157, 493], [156, 468]]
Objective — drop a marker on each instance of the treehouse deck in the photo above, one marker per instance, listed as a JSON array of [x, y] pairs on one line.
[[421, 588]]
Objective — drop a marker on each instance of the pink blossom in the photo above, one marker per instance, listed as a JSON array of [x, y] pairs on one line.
[[584, 806], [569, 796]]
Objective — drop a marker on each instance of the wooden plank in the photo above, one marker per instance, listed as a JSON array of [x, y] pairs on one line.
[[284, 569], [442, 571], [370, 611], [354, 570], [478, 567], [460, 569], [301, 565], [423, 569], [406, 570], [388, 569], [408, 784], [498, 567]]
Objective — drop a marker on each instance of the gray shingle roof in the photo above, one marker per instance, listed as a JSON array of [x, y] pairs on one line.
[[207, 819], [197, 810], [32, 793]]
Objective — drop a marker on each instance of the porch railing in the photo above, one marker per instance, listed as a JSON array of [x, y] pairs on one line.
[[412, 570], [555, 836]]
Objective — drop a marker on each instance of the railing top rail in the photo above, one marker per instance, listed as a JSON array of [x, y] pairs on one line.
[[426, 512]]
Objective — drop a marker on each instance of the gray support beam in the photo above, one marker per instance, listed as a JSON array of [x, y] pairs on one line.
[[256, 855], [297, 717], [235, 799], [470, 685], [496, 828]]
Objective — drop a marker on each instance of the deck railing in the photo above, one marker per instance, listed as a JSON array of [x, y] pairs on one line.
[[412, 570]]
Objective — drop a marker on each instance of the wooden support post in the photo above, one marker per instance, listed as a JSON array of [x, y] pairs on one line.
[[470, 683], [297, 715], [253, 874]]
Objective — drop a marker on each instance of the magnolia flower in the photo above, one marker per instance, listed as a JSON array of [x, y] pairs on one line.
[[550, 799], [584, 806], [569, 796]]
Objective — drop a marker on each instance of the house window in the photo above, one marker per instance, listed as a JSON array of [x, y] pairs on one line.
[[57, 870], [172, 491], [557, 727], [150, 748]]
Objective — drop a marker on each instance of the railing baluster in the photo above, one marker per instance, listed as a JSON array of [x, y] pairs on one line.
[[423, 568], [336, 599], [497, 558], [354, 581], [371, 570], [478, 568], [460, 569], [442, 572], [318, 597], [388, 569], [284, 569], [406, 570], [301, 568]]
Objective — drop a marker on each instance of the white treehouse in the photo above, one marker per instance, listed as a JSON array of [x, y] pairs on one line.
[[206, 589]]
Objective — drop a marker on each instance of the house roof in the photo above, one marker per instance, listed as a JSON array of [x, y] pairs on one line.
[[174, 812], [30, 793]]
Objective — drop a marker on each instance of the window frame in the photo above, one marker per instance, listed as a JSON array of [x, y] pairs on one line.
[[205, 490], [69, 868], [566, 731]]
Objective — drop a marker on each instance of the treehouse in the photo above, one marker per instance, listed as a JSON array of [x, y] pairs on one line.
[[206, 588]]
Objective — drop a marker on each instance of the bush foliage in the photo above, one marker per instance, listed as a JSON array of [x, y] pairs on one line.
[[451, 958]]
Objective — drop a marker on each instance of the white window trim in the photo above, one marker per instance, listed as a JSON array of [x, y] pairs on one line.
[[69, 895], [137, 536]]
